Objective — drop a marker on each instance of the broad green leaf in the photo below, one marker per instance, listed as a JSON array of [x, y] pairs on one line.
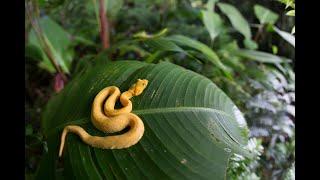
[[265, 15], [191, 126], [259, 56], [236, 19], [58, 41], [212, 22], [286, 36], [208, 52]]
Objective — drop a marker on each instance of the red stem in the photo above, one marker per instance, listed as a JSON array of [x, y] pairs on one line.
[[104, 26]]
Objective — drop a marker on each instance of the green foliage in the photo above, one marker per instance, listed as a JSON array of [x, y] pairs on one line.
[[267, 19], [286, 36], [259, 56], [167, 149], [215, 39], [202, 48], [241, 167], [239, 23], [213, 23], [59, 43], [270, 113], [291, 173], [237, 20], [265, 15], [291, 4]]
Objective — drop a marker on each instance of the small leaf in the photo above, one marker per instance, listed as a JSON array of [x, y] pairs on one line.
[[293, 31], [265, 15], [259, 56], [236, 18], [212, 22], [274, 49], [250, 44], [286, 36], [145, 35], [291, 13]]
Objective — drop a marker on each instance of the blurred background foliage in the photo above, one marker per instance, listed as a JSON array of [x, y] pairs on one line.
[[245, 47]]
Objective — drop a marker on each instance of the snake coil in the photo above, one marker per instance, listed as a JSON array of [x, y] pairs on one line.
[[107, 119]]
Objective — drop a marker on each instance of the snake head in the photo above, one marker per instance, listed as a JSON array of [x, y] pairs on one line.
[[139, 86]]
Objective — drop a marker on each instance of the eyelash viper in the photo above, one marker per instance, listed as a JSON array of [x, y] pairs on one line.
[[107, 119]]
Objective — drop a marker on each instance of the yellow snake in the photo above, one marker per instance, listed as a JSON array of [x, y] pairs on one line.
[[107, 119]]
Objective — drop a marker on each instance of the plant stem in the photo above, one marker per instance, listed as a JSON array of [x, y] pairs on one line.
[[104, 26], [259, 32], [43, 40]]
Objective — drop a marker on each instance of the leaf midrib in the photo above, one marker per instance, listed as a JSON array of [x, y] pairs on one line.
[[155, 111], [179, 109]]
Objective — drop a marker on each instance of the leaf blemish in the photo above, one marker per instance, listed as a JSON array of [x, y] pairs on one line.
[[183, 161]]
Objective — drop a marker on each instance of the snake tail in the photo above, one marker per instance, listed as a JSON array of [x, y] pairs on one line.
[[125, 140]]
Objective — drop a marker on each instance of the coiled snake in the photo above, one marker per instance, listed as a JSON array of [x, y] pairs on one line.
[[107, 119]]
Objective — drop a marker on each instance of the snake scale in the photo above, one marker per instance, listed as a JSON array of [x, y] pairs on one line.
[[106, 118]]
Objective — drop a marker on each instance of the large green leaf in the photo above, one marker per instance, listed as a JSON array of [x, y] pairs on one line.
[[191, 126], [58, 41]]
